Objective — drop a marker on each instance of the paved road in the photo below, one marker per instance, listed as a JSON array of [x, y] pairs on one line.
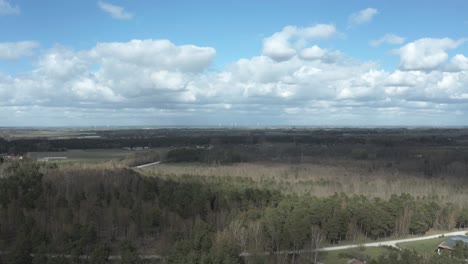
[[147, 165], [393, 243]]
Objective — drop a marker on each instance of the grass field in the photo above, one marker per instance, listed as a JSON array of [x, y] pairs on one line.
[[423, 247], [46, 133], [115, 157], [343, 256], [84, 155]]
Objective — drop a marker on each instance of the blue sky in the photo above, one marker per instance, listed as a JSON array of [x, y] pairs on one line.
[[242, 62]]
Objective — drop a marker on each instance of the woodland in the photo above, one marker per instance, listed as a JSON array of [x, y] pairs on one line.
[[240, 196]]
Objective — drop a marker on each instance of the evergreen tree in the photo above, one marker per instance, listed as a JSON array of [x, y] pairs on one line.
[[100, 254], [129, 253], [21, 253], [459, 251]]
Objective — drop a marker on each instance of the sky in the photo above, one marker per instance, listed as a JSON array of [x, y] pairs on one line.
[[233, 63]]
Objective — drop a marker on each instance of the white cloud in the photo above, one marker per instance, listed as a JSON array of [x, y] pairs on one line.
[[460, 62], [16, 50], [7, 9], [312, 53], [388, 39], [138, 73], [278, 46], [284, 45], [88, 89], [319, 31], [158, 82], [63, 63], [168, 80], [362, 17], [115, 11], [403, 79], [160, 54], [426, 54]]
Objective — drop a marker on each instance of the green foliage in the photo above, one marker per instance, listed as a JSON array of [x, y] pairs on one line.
[[100, 254], [75, 211], [185, 155], [224, 252], [40, 255], [203, 248], [23, 184], [129, 253], [194, 249], [182, 252], [21, 251], [411, 257], [459, 251], [82, 238], [462, 220]]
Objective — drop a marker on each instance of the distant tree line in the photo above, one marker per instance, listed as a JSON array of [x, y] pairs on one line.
[[428, 152], [344, 137]]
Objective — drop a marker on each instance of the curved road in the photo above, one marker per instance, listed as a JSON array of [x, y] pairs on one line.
[[393, 243], [147, 165]]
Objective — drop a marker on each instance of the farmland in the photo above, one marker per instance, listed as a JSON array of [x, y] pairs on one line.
[[78, 155]]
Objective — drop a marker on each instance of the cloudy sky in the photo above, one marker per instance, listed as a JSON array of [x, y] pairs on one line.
[[181, 62]]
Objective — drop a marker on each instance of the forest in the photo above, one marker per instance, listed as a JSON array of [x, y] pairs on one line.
[[90, 213]]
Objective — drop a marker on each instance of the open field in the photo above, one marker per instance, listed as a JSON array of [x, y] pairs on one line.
[[92, 155], [345, 255], [12, 134]]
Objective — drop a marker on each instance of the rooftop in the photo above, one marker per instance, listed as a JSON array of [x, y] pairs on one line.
[[452, 241]]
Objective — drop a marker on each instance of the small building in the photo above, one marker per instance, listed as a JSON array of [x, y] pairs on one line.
[[450, 243], [11, 157]]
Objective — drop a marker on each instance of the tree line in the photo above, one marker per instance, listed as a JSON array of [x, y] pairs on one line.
[[97, 212]]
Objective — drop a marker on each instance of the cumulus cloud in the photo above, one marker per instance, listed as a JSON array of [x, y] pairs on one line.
[[138, 73], [16, 50], [460, 62], [159, 82], [362, 17], [161, 54], [168, 80], [115, 11], [317, 31], [8, 9], [388, 39], [312, 53], [284, 45], [61, 63], [278, 46], [426, 54]]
